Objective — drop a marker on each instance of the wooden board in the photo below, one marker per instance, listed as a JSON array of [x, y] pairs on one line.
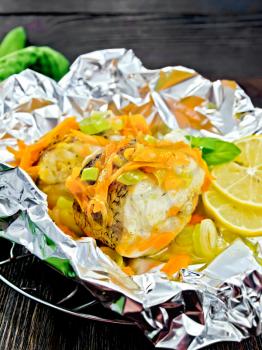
[[220, 39], [218, 47], [27, 325], [222, 47], [179, 7]]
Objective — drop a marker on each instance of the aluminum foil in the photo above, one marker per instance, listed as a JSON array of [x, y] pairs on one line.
[[223, 302]]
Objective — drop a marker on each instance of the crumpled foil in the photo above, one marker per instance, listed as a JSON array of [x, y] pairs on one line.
[[220, 303]]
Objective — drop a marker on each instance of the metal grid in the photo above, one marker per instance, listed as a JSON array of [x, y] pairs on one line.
[[31, 277]]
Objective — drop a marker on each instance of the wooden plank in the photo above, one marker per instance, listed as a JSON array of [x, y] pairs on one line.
[[202, 7], [26, 325], [222, 47], [253, 88]]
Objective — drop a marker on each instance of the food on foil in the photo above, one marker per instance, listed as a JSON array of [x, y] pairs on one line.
[[137, 195], [170, 312], [52, 159], [150, 202]]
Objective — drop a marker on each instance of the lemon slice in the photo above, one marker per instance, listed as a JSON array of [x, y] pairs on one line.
[[241, 179], [237, 218]]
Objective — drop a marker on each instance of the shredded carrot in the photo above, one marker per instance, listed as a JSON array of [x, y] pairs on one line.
[[33, 171], [176, 263], [196, 219], [160, 240], [26, 156], [91, 139], [78, 189], [157, 241], [128, 270], [13, 163], [17, 153], [173, 211], [67, 231], [134, 124]]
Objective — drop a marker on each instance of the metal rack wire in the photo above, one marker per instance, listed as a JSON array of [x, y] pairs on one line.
[[31, 277]]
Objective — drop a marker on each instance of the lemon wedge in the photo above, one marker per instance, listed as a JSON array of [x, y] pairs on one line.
[[241, 179], [241, 219]]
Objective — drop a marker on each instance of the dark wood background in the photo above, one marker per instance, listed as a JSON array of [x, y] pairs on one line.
[[219, 38]]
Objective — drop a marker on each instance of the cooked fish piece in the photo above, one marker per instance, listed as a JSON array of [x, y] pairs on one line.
[[148, 220], [55, 165], [143, 218], [58, 160], [109, 234]]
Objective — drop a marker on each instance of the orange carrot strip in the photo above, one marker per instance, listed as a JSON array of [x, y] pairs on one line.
[[90, 139], [128, 270], [33, 171], [32, 152], [196, 219], [176, 263], [67, 231], [173, 211]]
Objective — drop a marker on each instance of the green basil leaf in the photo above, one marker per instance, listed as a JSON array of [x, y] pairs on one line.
[[215, 151]]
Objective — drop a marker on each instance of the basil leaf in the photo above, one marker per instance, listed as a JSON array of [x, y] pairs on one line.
[[215, 151]]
